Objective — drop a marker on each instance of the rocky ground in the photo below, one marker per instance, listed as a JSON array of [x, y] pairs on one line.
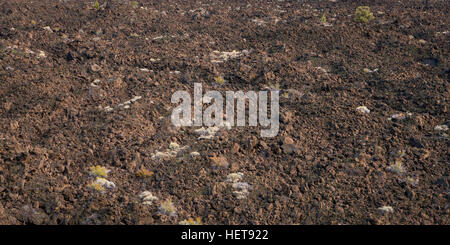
[[86, 136]]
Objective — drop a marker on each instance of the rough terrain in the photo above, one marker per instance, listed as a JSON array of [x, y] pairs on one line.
[[363, 112]]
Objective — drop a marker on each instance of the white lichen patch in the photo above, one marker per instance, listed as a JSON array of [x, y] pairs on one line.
[[145, 70], [367, 70], [105, 183], [401, 116], [157, 38], [108, 109], [158, 155], [126, 104], [240, 189], [12, 47], [29, 51], [209, 132], [42, 54], [123, 105], [25, 51], [321, 69], [166, 37], [219, 57], [167, 208], [363, 109], [441, 128], [136, 98], [147, 198], [174, 146], [386, 209], [47, 28], [173, 151], [101, 184], [397, 167], [398, 116], [259, 22], [234, 177], [206, 133], [95, 83], [194, 154]]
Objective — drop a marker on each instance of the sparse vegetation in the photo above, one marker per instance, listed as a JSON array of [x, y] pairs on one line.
[[96, 5], [174, 146], [144, 173], [275, 86], [98, 171], [219, 80], [167, 208], [134, 4], [96, 81], [363, 14], [191, 221], [412, 181], [96, 186], [397, 167], [147, 198]]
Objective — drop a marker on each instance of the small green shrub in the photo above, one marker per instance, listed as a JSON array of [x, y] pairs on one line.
[[134, 4], [99, 171], [363, 14], [96, 5]]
